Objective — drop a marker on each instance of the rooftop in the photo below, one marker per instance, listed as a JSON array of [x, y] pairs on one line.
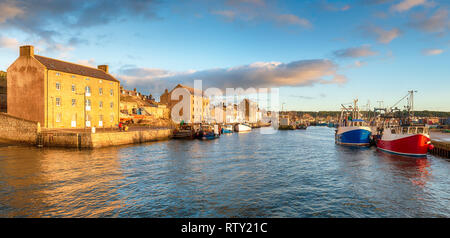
[[62, 66]]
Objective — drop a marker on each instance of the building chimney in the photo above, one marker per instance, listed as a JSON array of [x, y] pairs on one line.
[[135, 89], [104, 68], [27, 50]]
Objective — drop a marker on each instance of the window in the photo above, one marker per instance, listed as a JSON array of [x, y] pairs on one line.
[[88, 102], [100, 118], [111, 92], [58, 102], [88, 90], [74, 89], [100, 81], [112, 117], [87, 78], [73, 76], [74, 102], [100, 91], [111, 104], [101, 104], [58, 85], [58, 117], [58, 74]]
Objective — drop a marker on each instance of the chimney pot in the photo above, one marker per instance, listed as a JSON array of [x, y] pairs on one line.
[[105, 68], [27, 50]]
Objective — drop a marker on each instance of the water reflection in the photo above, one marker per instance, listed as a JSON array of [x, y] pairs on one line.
[[53, 183], [287, 174], [417, 170]]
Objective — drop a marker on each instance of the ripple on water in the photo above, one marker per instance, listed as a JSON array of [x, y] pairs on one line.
[[287, 174]]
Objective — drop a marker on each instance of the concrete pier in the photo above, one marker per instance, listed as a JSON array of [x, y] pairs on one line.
[[441, 142]]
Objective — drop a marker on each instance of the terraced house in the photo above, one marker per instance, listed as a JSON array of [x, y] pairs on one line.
[[198, 104], [60, 94]]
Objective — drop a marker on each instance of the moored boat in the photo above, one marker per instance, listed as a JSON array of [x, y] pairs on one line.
[[302, 126], [352, 130], [241, 127], [398, 134], [405, 140], [184, 132], [208, 132], [227, 129]]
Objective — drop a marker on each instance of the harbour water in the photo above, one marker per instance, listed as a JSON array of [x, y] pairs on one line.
[[299, 173]]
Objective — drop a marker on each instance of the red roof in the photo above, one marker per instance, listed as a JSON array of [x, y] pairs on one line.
[[71, 68]]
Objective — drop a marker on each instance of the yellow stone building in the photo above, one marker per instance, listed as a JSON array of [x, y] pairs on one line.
[[3, 91], [60, 94], [198, 103]]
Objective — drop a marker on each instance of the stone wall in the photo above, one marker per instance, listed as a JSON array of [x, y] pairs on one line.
[[23, 131], [17, 129], [123, 138], [103, 139], [3, 95]]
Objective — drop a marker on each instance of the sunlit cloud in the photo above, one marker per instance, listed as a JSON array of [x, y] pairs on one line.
[[257, 10], [7, 42], [381, 35], [429, 52], [89, 62], [293, 20], [258, 74], [9, 10], [355, 52], [405, 5], [437, 22]]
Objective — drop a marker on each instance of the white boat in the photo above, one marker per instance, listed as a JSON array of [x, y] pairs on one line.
[[242, 127]]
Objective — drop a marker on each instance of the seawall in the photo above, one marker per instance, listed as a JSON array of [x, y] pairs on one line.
[[17, 130], [103, 139]]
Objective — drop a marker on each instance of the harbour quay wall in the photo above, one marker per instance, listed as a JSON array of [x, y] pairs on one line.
[[17, 129], [103, 139], [21, 131], [122, 138], [441, 149]]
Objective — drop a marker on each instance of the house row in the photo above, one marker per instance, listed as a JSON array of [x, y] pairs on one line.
[[202, 111], [60, 94]]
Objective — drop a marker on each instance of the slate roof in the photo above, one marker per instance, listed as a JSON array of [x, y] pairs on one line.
[[62, 66]]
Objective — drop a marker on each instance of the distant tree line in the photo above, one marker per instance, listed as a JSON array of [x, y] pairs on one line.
[[424, 113]]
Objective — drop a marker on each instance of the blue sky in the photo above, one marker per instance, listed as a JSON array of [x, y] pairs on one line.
[[319, 53]]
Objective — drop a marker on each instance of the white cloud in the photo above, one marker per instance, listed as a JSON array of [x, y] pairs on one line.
[[6, 42], [432, 52], [405, 5], [90, 63]]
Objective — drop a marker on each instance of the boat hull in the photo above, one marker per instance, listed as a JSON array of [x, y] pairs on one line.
[[353, 136], [409, 145], [242, 128], [225, 131]]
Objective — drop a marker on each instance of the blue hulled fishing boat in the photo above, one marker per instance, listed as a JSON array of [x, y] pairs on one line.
[[352, 130]]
